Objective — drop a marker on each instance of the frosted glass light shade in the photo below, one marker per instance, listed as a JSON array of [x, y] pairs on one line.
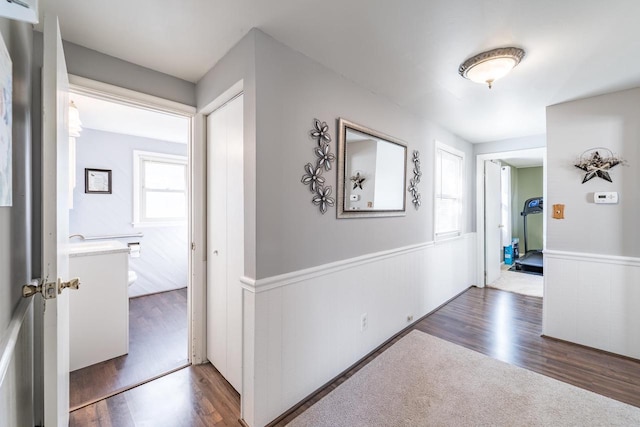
[[487, 67]]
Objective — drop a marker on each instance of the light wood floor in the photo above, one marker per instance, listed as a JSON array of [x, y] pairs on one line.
[[500, 324], [157, 344]]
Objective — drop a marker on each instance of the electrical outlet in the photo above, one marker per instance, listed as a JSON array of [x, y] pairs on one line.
[[410, 318], [363, 322]]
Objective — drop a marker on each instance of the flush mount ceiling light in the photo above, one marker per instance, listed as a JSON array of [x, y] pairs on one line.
[[489, 66]]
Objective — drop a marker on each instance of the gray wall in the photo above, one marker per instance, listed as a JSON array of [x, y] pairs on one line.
[[238, 65], [164, 250], [15, 226], [611, 121], [94, 65], [15, 221], [291, 233]]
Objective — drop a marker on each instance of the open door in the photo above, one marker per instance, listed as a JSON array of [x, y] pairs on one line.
[[55, 226], [492, 221]]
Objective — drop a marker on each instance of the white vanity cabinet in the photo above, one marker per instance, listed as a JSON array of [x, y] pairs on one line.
[[99, 309]]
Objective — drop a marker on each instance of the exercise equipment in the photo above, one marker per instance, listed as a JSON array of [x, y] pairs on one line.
[[532, 259]]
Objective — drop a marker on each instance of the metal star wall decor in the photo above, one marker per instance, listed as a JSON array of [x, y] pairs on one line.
[[313, 176], [595, 164], [357, 180]]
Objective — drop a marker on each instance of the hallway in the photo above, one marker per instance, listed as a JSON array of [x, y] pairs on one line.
[[502, 325]]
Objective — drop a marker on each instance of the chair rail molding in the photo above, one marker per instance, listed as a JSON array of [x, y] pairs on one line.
[[268, 283]]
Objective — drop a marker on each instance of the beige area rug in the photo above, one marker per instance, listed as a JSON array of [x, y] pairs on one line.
[[520, 283], [425, 381]]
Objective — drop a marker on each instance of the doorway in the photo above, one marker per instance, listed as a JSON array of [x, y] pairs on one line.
[[129, 243], [506, 181]]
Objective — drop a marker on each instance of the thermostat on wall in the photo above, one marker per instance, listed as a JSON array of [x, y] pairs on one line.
[[610, 197]]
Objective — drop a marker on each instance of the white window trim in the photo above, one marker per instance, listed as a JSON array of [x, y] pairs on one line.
[[138, 157], [453, 151]]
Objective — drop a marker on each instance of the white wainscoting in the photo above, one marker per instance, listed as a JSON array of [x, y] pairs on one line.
[[302, 329], [593, 300], [16, 368]]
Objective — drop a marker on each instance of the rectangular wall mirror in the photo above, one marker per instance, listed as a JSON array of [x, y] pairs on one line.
[[371, 172]]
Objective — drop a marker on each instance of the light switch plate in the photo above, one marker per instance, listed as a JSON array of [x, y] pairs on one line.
[[558, 211]]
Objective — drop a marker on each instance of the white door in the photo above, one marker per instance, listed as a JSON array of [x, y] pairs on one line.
[[225, 239], [55, 224], [492, 219]]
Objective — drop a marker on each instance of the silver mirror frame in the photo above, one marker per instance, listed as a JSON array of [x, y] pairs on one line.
[[343, 125]]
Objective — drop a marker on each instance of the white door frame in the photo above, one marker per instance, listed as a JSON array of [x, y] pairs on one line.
[[197, 218], [504, 155]]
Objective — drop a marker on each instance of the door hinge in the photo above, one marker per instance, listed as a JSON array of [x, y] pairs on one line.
[[193, 246]]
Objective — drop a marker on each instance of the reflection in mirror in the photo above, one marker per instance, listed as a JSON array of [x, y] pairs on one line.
[[371, 172]]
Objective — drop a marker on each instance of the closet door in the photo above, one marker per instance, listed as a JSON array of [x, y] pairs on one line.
[[225, 239]]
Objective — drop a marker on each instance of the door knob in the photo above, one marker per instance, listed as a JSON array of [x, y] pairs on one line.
[[48, 289], [71, 284]]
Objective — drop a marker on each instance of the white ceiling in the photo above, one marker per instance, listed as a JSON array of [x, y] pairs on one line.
[[407, 51], [118, 118]]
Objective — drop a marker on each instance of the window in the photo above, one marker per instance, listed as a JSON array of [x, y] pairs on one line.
[[449, 170], [160, 188]]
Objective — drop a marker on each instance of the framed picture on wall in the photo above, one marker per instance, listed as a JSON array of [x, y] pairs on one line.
[[97, 181]]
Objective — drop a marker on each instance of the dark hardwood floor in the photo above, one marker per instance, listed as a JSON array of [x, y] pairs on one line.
[[158, 338], [196, 396], [500, 324], [507, 327]]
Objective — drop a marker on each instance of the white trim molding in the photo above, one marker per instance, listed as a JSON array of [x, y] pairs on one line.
[[600, 258], [268, 283], [120, 95]]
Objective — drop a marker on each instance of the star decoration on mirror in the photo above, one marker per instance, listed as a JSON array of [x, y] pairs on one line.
[[313, 176], [594, 164], [357, 180], [413, 182]]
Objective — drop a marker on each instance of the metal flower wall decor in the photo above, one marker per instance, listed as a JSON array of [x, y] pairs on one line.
[[313, 176], [413, 182], [596, 164]]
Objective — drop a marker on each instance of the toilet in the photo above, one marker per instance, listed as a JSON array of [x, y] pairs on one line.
[[132, 277], [134, 252]]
